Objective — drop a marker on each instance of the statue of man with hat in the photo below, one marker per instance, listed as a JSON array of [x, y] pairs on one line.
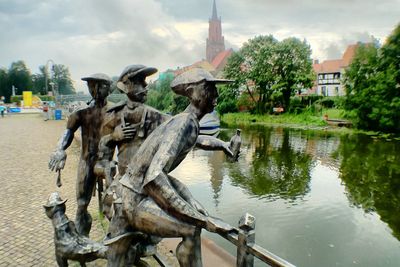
[[89, 120], [155, 203], [129, 122], [126, 126]]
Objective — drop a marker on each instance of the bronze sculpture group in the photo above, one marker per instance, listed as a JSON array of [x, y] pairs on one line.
[[143, 202]]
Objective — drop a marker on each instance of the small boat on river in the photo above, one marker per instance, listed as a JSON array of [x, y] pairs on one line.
[[210, 124]]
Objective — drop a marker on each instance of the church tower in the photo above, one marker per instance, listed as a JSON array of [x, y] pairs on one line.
[[215, 40]]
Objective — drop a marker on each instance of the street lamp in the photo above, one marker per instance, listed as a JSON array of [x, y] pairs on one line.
[[52, 87], [45, 74]]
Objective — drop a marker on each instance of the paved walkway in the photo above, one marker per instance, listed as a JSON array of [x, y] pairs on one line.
[[26, 234]]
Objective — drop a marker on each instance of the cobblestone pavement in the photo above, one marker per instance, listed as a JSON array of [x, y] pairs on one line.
[[26, 234]]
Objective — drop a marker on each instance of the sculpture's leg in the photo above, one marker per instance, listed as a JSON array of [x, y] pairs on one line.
[[149, 218], [188, 251], [119, 247], [116, 254], [61, 261], [83, 220], [85, 184]]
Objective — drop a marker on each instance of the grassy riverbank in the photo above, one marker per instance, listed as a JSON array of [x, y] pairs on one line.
[[305, 118]]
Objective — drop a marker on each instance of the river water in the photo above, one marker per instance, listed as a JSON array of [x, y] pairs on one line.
[[319, 198]]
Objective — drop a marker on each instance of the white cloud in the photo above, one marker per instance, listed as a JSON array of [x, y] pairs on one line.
[[105, 36]]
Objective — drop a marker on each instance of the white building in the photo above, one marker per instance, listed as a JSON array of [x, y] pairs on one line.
[[330, 74]]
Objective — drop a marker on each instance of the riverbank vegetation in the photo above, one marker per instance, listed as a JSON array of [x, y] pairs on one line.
[[269, 77], [266, 73], [305, 118], [373, 86]]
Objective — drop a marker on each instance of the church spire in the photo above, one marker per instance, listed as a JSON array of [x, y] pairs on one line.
[[215, 40], [214, 12]]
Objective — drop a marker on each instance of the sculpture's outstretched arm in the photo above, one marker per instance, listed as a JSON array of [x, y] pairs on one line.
[[164, 194], [66, 139], [207, 142], [186, 195], [58, 157]]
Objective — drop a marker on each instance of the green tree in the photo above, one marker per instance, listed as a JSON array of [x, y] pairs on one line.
[[161, 97], [390, 53], [62, 80], [5, 88], [257, 69], [114, 89], [271, 71], [372, 84], [179, 104], [292, 68], [39, 81], [229, 94], [227, 99], [19, 76]]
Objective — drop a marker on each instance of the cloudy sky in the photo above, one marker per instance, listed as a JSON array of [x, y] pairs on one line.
[[92, 36]]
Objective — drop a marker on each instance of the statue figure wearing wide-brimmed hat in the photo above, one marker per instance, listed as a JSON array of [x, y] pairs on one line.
[[154, 202], [89, 120]]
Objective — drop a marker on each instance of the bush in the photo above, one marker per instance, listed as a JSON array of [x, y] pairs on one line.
[[47, 97], [327, 102], [16, 99], [372, 86]]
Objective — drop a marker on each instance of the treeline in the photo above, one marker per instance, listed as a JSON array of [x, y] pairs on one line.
[[373, 86], [19, 76], [266, 73], [161, 96]]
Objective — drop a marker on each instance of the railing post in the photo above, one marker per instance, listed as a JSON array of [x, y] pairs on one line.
[[247, 236]]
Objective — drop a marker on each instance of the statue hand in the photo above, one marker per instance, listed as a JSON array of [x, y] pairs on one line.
[[57, 160], [217, 226], [195, 204], [227, 149], [124, 132]]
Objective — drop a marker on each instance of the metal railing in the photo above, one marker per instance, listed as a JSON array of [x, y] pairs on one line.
[[244, 239]]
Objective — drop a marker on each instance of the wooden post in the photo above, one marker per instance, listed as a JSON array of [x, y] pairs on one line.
[[246, 237]]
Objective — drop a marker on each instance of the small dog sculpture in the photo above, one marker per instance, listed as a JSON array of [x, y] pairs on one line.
[[69, 245]]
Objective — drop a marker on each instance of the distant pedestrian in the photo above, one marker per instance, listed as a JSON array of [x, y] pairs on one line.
[[46, 111], [2, 109]]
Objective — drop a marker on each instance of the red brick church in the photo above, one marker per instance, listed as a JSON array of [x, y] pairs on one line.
[[215, 49], [216, 55]]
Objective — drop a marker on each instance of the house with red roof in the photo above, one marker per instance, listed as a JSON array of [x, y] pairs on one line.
[[330, 73]]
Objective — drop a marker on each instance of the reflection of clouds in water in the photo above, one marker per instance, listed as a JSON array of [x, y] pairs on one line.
[[289, 180], [201, 166], [194, 169]]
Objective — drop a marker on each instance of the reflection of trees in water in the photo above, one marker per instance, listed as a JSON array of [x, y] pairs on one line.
[[371, 173], [274, 170]]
